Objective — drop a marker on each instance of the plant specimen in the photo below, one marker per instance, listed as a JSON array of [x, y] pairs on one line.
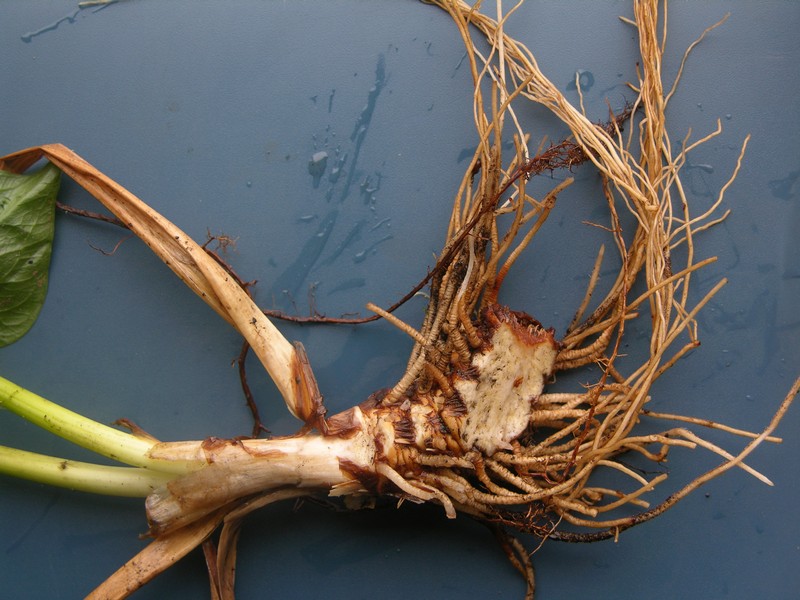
[[470, 426]]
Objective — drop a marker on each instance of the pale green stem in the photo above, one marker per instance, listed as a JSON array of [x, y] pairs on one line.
[[107, 441], [85, 477]]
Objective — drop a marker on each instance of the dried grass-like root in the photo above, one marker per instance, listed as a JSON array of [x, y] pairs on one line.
[[642, 177], [612, 528], [415, 491], [519, 558], [469, 426]]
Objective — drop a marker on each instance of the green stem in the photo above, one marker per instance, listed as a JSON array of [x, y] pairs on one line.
[[80, 430], [107, 441], [86, 477]]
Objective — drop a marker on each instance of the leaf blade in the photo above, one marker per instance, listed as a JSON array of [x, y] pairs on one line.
[[27, 227]]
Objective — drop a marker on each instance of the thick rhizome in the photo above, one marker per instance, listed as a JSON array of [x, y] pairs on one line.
[[470, 426]]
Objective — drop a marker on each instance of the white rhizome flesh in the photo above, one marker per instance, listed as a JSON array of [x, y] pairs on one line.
[[469, 426]]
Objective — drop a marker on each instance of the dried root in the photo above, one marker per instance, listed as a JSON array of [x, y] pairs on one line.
[[470, 426], [547, 465]]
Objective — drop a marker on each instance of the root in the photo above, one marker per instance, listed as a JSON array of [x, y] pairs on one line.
[[469, 425]]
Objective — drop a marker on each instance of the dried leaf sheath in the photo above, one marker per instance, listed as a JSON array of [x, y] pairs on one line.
[[192, 264]]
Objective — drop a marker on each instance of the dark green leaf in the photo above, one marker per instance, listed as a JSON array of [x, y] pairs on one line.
[[27, 219]]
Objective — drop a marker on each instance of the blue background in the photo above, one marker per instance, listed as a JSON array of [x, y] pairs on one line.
[[211, 111]]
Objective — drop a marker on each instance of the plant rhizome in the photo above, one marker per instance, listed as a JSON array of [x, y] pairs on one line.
[[470, 425]]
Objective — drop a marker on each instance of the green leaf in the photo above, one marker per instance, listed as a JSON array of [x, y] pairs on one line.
[[27, 222]]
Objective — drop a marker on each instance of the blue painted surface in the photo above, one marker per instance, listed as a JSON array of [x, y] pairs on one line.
[[211, 112]]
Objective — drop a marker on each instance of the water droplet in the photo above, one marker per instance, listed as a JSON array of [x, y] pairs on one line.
[[70, 18], [249, 184], [349, 284], [729, 116], [317, 165], [371, 250], [703, 167], [584, 78], [784, 188], [338, 168], [386, 221]]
